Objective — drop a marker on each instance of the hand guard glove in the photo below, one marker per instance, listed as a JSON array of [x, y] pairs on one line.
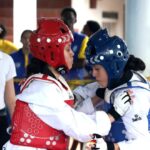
[[121, 104]]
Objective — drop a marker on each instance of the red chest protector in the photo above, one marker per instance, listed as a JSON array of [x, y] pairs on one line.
[[30, 130]]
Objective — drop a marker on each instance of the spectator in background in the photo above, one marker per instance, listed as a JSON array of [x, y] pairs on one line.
[[69, 16], [90, 27], [7, 94], [5, 45], [22, 58]]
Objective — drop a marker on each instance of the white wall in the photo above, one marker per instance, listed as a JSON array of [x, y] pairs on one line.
[[24, 17], [84, 13], [138, 30]]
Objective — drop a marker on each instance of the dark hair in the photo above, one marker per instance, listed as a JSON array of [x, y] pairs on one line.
[[3, 31], [38, 66], [93, 25], [68, 9], [24, 32], [135, 64]]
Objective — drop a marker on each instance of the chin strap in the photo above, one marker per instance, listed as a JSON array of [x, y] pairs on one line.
[[62, 70]]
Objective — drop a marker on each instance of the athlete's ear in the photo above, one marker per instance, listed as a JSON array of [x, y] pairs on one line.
[[75, 20]]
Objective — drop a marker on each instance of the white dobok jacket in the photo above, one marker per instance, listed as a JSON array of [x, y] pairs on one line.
[[44, 118], [135, 119]]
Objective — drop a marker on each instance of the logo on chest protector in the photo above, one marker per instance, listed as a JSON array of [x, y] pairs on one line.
[[136, 118]]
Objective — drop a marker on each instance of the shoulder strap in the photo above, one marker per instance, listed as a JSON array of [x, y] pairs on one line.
[[38, 77], [133, 84]]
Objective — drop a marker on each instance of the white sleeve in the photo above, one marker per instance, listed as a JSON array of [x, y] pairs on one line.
[[11, 68], [85, 106], [47, 103], [83, 95], [138, 144], [87, 90], [75, 124]]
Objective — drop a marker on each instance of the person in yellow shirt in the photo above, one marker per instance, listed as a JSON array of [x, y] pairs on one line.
[[5, 45]]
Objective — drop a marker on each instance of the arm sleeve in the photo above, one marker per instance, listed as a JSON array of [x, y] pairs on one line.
[[56, 113], [85, 106], [11, 68], [141, 143], [87, 90], [83, 47], [75, 124], [9, 47]]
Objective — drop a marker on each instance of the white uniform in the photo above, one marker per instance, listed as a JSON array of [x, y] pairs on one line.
[[7, 72], [46, 100], [135, 119]]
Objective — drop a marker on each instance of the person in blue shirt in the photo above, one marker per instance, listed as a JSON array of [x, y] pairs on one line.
[[22, 58], [90, 27], [69, 16]]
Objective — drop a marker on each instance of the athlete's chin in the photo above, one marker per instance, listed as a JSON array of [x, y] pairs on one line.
[[70, 66], [102, 84]]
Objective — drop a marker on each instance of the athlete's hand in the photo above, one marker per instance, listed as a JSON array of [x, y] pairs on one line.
[[97, 143]]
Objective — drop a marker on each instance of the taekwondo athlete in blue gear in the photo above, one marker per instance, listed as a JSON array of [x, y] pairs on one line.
[[116, 71], [22, 58]]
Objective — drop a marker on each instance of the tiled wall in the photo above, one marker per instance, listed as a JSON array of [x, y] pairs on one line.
[[51, 8], [6, 17], [45, 8]]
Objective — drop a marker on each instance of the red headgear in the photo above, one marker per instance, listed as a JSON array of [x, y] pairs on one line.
[[48, 41]]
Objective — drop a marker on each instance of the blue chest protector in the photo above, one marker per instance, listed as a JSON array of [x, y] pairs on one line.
[[117, 132]]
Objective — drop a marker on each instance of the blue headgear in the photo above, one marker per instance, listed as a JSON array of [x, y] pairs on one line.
[[110, 52]]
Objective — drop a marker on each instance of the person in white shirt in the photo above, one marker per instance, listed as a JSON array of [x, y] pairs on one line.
[[7, 94], [44, 118], [116, 72]]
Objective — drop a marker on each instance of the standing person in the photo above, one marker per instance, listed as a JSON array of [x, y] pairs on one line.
[[5, 45], [7, 94], [22, 58], [116, 71], [91, 27], [43, 117], [69, 16]]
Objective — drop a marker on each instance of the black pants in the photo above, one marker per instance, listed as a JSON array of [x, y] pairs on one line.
[[4, 136]]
